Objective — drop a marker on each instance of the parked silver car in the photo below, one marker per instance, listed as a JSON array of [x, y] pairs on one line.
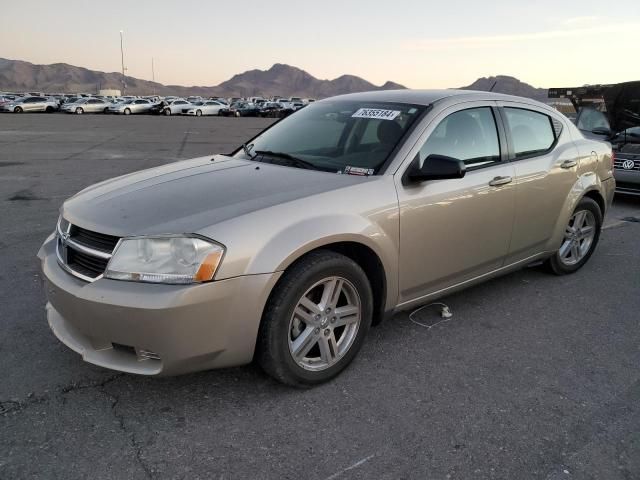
[[31, 104], [208, 107], [177, 107], [86, 105], [349, 210], [131, 106]]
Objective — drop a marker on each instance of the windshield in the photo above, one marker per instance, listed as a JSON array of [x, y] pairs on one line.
[[334, 135]]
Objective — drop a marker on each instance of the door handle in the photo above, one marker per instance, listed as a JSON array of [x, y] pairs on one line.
[[568, 164], [497, 181]]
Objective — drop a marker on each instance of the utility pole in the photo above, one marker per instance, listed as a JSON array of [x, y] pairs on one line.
[[153, 76], [124, 83]]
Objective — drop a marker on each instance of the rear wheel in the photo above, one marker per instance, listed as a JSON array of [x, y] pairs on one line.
[[580, 238], [316, 319], [79, 111], [237, 114], [127, 111]]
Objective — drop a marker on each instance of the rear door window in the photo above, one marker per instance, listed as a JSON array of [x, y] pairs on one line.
[[532, 132]]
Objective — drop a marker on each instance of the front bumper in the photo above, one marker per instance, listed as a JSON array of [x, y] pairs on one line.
[[155, 329], [627, 181]]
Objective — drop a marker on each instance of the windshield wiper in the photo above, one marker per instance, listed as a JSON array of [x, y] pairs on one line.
[[285, 156]]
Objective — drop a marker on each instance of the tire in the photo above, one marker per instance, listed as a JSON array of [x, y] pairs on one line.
[[167, 112], [17, 110], [237, 114], [127, 111], [79, 111], [49, 109], [106, 110], [320, 358], [198, 113], [578, 246]]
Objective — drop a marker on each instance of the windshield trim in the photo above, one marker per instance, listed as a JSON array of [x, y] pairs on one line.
[[383, 167]]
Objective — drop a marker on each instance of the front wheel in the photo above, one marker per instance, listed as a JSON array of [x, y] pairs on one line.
[[580, 238], [198, 113], [316, 320], [167, 112], [49, 109], [79, 111], [17, 110], [127, 111]]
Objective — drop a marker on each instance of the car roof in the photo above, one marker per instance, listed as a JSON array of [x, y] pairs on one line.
[[428, 97]]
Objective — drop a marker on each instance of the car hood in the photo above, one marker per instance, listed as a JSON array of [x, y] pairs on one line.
[[188, 196]]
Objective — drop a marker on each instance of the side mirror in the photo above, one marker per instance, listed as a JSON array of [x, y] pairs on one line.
[[604, 131], [435, 167]]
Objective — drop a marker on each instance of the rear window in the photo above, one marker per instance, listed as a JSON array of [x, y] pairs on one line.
[[532, 132]]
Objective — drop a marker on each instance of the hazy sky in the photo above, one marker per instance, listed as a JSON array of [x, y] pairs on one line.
[[419, 43]]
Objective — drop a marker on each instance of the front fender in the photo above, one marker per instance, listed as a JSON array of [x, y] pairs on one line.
[[290, 244]]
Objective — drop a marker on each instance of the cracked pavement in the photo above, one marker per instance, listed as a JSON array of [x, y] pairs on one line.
[[534, 377]]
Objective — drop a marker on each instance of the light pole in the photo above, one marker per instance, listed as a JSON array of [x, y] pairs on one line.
[[153, 76], [124, 84]]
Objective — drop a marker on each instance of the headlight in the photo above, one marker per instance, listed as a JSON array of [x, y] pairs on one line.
[[177, 260]]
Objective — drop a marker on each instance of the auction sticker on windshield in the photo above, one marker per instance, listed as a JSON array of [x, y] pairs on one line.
[[376, 113]]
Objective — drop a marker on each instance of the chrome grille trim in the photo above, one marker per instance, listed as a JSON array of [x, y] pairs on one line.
[[68, 269], [87, 250], [64, 241]]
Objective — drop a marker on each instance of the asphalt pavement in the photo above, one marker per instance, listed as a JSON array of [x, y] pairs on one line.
[[534, 377]]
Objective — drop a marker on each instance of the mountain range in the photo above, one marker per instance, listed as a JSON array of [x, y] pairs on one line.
[[280, 79]]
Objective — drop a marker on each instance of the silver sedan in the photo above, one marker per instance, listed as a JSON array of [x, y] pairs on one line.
[[177, 107], [209, 107], [31, 104], [131, 106], [86, 105]]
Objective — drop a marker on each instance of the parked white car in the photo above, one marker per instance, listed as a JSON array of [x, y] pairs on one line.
[[177, 107], [210, 107], [31, 104], [86, 105]]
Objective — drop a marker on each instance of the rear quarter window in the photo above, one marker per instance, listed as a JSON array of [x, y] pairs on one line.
[[532, 132]]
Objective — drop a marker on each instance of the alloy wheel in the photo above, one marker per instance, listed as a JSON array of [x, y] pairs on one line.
[[578, 237], [324, 323]]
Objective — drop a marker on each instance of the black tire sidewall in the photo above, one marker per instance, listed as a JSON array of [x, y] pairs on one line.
[[560, 268], [273, 351]]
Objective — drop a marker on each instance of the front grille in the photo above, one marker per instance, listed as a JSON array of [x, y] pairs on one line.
[[99, 241], [626, 159], [82, 252], [85, 264]]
